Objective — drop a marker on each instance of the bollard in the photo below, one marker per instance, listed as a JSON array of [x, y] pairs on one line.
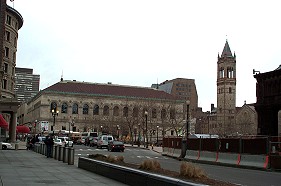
[[16, 146], [60, 153], [41, 148], [65, 154], [57, 152], [71, 156], [0, 146], [54, 152], [45, 150]]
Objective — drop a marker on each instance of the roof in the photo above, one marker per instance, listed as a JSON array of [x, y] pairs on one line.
[[226, 51], [74, 87]]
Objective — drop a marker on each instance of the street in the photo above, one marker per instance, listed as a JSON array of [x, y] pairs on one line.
[[238, 176]]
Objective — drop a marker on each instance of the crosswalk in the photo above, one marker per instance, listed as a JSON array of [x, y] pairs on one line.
[[86, 152]]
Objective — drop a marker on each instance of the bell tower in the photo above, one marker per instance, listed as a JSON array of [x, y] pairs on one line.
[[226, 91]]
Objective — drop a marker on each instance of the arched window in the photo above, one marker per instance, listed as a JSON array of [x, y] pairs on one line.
[[135, 112], [96, 110], [85, 109], [53, 106], [75, 108], [106, 110], [172, 113], [163, 114], [116, 111], [125, 112], [154, 113], [64, 108]]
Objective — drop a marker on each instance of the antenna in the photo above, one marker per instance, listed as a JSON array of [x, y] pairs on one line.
[[255, 72]]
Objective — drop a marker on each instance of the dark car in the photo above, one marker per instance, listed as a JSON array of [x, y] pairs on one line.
[[116, 146], [93, 141]]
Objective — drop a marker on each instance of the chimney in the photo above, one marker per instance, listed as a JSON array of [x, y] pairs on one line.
[[212, 106]]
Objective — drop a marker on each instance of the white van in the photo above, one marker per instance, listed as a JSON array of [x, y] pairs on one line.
[[103, 140], [66, 141]]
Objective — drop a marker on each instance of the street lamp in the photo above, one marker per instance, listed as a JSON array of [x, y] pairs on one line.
[[157, 133], [117, 132], [187, 118], [101, 129], [54, 114], [139, 136], [71, 122], [146, 113]]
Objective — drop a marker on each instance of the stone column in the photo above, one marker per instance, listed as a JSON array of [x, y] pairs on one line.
[[12, 127]]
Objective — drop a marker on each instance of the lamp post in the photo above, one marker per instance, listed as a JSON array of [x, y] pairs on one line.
[[117, 132], [187, 118], [101, 128], [157, 134], [146, 136], [54, 114], [71, 122], [139, 136]]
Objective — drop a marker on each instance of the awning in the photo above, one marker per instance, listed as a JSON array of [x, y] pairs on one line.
[[3, 122], [23, 129]]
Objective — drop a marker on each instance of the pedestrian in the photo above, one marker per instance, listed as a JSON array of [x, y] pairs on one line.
[[49, 143]]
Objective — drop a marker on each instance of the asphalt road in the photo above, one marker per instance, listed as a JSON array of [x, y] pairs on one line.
[[238, 176]]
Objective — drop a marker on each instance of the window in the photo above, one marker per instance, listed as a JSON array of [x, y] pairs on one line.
[[5, 68], [135, 112], [4, 84], [154, 113], [7, 52], [64, 108], [75, 108], [230, 90], [7, 34], [85, 109], [172, 114], [96, 110], [106, 110], [53, 106], [8, 19], [163, 114], [125, 111], [116, 111], [63, 128]]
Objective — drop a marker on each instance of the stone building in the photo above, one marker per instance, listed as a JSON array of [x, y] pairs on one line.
[[10, 22], [109, 108]]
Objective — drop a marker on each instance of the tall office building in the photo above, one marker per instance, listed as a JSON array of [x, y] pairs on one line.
[[27, 84]]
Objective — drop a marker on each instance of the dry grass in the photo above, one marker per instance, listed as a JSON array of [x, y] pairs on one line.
[[189, 170], [152, 165], [110, 158]]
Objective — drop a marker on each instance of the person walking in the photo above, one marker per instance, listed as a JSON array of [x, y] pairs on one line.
[[49, 143]]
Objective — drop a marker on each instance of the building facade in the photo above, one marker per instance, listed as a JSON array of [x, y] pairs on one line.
[[107, 108], [10, 22], [27, 84]]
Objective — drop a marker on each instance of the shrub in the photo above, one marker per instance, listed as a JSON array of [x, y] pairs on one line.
[[111, 159], [191, 171], [152, 165], [120, 159]]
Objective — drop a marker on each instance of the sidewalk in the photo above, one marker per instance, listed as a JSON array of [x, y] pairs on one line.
[[27, 168]]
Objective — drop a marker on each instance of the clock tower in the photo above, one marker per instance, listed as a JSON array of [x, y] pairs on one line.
[[226, 91]]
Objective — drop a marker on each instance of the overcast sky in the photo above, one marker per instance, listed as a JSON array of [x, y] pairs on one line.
[[141, 42]]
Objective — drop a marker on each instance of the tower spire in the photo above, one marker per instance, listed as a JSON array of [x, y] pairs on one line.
[[226, 50]]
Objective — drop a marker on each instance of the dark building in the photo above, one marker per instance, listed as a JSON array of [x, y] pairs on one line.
[[268, 90], [27, 84]]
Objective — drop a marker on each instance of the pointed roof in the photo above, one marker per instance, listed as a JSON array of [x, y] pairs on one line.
[[226, 51]]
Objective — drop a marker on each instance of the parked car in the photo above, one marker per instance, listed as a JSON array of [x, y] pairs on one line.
[[66, 141], [103, 141], [80, 141], [116, 146], [6, 145], [93, 141], [58, 142]]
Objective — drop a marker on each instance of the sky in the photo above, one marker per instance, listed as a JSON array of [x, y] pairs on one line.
[[140, 43]]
